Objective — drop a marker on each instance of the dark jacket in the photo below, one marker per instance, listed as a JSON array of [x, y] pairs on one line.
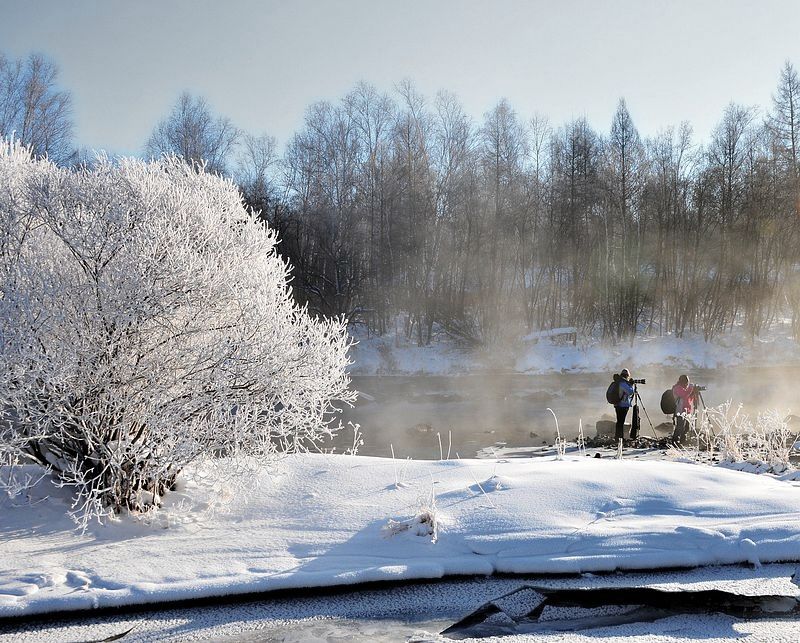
[[625, 394]]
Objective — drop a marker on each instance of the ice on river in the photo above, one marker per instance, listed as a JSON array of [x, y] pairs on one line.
[[420, 611]]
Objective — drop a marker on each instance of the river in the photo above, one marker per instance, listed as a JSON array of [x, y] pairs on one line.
[[473, 411]]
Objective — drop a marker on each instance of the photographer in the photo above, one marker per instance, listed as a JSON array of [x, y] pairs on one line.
[[626, 396], [685, 397]]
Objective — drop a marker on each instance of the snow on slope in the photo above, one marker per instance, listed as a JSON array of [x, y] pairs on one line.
[[320, 520], [394, 355]]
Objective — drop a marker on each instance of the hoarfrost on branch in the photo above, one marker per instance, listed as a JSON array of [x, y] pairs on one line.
[[145, 324]]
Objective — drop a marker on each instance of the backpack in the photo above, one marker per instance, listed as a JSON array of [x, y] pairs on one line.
[[668, 402], [612, 394], [636, 423]]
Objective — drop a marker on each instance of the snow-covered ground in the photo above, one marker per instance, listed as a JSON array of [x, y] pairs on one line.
[[391, 354], [321, 520]]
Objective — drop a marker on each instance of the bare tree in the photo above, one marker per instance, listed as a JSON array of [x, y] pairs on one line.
[[192, 132], [727, 157], [784, 120], [503, 151], [726, 174], [623, 183], [570, 249], [373, 116], [257, 158], [322, 163], [784, 125], [676, 244], [414, 212], [453, 154], [33, 109]]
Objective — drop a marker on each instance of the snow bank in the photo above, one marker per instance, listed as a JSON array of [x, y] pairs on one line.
[[320, 520], [393, 355], [689, 352], [537, 354]]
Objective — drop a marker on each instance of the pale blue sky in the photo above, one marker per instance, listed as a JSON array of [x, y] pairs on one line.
[[261, 63]]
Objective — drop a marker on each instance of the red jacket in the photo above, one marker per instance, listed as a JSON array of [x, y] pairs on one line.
[[684, 398]]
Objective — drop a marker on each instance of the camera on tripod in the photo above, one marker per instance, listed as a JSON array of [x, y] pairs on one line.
[[700, 388], [641, 381]]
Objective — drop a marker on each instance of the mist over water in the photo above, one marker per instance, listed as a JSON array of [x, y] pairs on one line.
[[480, 410]]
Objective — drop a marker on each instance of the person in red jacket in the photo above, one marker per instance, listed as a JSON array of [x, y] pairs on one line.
[[685, 396]]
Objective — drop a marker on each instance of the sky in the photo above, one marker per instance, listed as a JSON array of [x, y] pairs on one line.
[[262, 63]]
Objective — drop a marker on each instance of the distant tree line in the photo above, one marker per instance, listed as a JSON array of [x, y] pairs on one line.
[[388, 206], [397, 207]]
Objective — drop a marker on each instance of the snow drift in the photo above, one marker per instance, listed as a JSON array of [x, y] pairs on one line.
[[321, 520]]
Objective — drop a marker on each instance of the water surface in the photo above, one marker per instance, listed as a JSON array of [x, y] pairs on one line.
[[469, 412]]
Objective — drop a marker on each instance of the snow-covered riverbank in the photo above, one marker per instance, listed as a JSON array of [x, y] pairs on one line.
[[392, 354], [322, 520]]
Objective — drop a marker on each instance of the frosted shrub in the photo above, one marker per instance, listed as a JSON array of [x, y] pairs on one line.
[[701, 431], [729, 425], [146, 324], [772, 440], [765, 444]]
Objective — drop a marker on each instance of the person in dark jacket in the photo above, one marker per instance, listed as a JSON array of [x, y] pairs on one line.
[[626, 400]]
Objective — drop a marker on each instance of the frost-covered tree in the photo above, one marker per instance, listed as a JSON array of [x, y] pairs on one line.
[[146, 324]]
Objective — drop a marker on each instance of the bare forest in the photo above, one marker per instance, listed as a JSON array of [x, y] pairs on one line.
[[401, 212], [389, 205]]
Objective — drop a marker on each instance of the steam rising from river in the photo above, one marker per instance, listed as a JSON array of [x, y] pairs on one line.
[[407, 412]]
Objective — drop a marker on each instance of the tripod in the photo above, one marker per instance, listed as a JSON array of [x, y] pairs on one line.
[[705, 407], [638, 400]]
